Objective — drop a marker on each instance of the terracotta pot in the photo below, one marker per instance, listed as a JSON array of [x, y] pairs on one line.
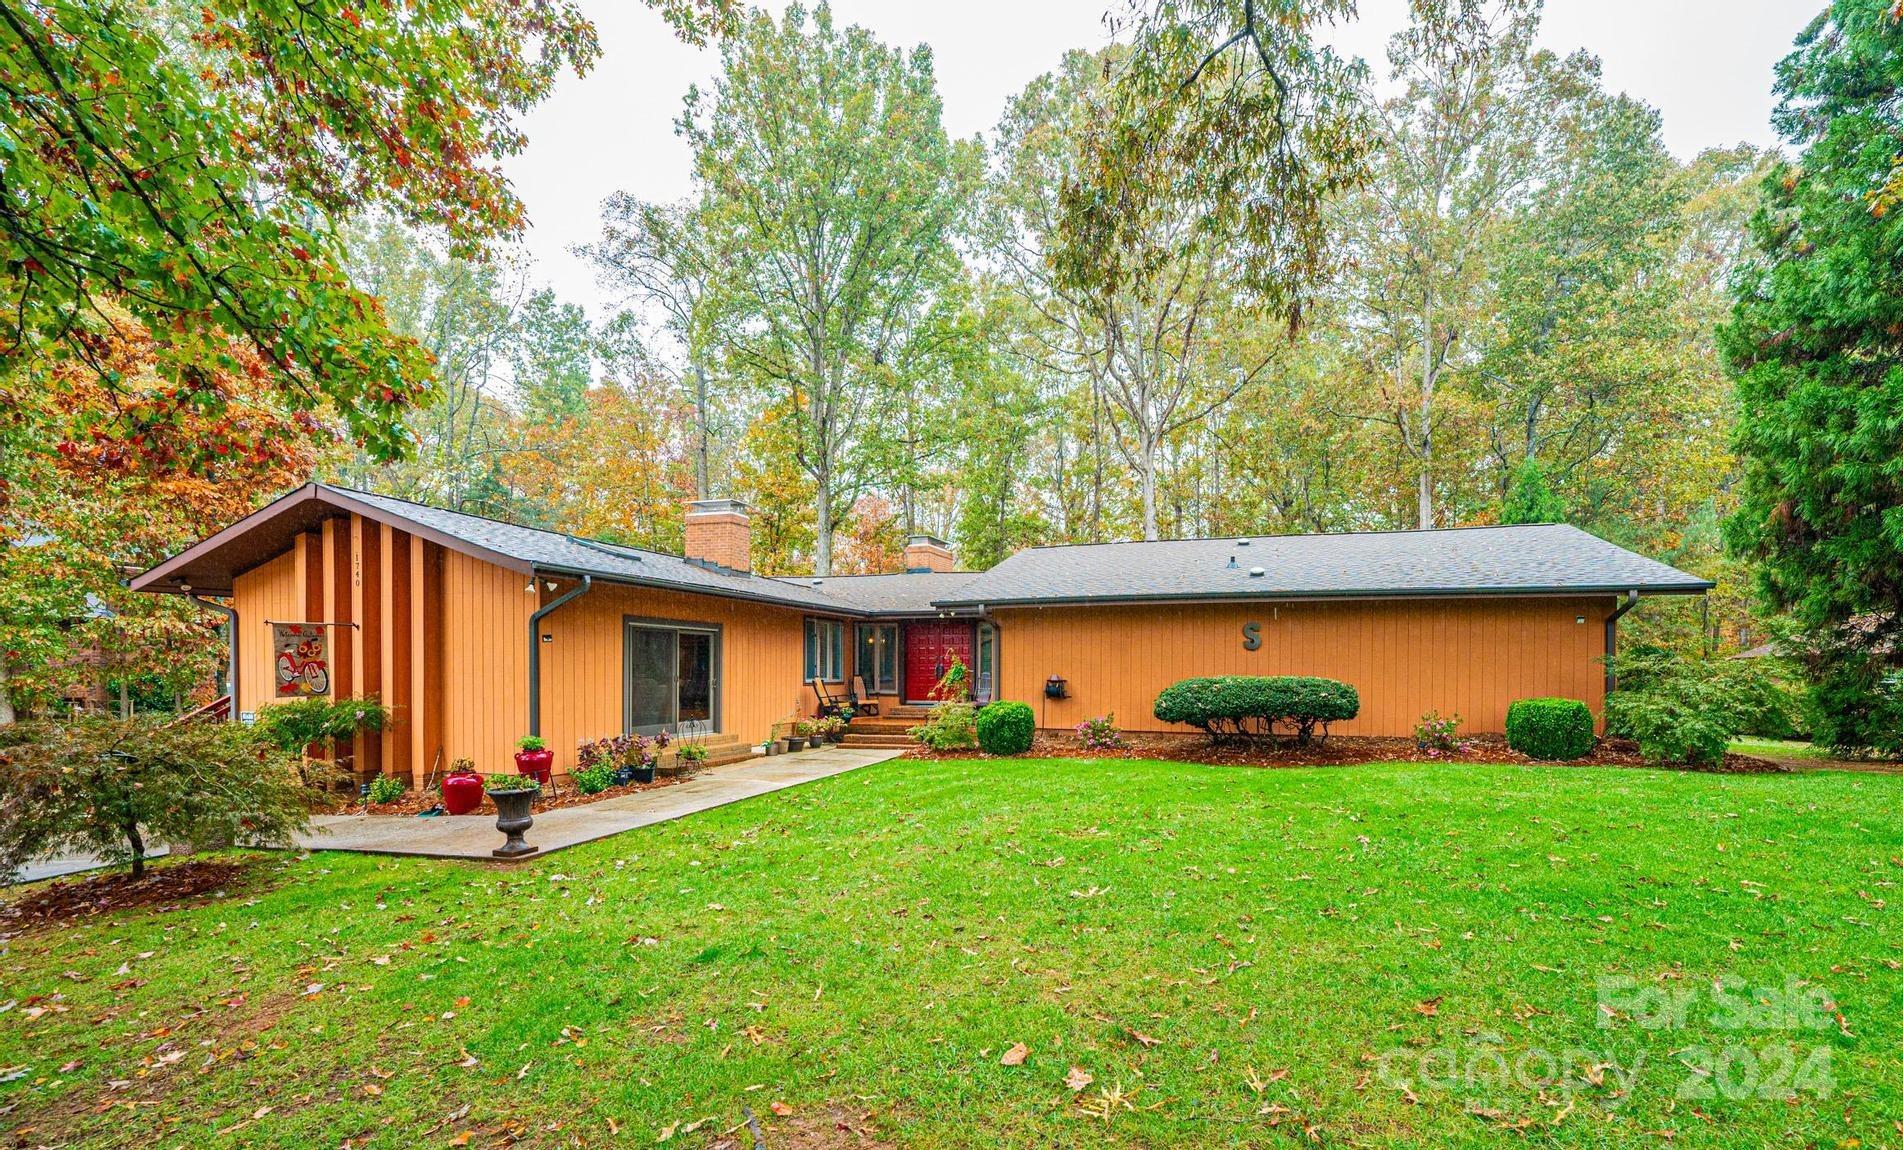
[[462, 793], [513, 818], [541, 764]]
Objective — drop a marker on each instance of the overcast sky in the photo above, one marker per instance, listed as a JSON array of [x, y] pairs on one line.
[[1705, 64]]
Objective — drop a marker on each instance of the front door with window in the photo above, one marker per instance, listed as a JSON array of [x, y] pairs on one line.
[[672, 678], [929, 648]]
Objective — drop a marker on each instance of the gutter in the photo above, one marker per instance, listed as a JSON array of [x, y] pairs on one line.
[[535, 649], [1612, 636], [1267, 595], [231, 645]]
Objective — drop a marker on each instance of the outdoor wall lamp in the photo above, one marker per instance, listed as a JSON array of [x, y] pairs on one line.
[[1056, 688]]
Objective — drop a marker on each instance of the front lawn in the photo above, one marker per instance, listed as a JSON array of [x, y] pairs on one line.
[[1382, 955]]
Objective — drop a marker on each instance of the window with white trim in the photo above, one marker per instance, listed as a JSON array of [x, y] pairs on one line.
[[825, 650]]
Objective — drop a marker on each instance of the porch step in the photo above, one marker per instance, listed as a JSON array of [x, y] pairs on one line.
[[881, 726], [862, 739]]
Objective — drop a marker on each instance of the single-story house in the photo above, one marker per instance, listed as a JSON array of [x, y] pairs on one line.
[[477, 632]]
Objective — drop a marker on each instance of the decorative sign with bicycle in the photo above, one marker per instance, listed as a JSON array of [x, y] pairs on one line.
[[302, 654]]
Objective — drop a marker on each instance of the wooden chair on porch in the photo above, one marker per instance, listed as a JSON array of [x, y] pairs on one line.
[[863, 702], [829, 703]]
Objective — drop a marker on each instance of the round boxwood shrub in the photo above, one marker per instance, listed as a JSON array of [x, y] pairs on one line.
[[1247, 706], [1550, 728], [1005, 728]]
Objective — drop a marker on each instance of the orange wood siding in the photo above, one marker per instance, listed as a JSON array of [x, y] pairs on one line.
[[391, 582], [762, 656], [272, 590], [485, 683], [1405, 657]]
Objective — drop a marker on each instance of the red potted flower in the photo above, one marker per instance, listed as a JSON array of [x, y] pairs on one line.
[[462, 788], [532, 757]]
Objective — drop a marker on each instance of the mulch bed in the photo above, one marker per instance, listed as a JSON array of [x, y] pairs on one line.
[[1342, 751], [165, 886], [564, 795]]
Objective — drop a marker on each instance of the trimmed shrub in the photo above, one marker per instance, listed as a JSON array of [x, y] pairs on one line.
[[1551, 729], [1005, 728], [1249, 706]]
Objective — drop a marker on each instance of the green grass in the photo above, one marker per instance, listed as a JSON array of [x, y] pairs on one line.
[[1778, 748], [873, 944]]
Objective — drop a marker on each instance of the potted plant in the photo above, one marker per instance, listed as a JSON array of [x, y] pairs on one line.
[[462, 787], [513, 796], [836, 726], [792, 738], [808, 733], [532, 757], [639, 756], [691, 755]]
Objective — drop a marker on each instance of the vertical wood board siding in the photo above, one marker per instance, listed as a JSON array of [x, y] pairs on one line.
[[761, 659], [485, 681], [271, 590], [1405, 657]]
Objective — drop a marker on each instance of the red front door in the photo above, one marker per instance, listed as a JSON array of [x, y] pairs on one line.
[[928, 651]]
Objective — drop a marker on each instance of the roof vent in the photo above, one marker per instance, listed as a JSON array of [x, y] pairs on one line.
[[1242, 542], [1256, 572], [817, 582], [1232, 563]]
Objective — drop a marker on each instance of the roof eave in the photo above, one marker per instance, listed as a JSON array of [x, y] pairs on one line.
[[736, 593], [152, 581], [1698, 588]]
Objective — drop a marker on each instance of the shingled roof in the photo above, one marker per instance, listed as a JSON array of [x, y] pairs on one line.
[[1520, 560], [210, 566], [911, 593]]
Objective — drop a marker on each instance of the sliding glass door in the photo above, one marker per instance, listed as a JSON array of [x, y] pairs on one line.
[[672, 678]]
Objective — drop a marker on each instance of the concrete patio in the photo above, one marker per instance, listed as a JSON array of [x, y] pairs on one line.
[[474, 836]]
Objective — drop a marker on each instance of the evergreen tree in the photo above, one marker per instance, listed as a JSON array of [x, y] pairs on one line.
[[1531, 500], [1812, 343]]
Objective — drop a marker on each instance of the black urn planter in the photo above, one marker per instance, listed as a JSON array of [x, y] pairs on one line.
[[644, 774], [513, 819]]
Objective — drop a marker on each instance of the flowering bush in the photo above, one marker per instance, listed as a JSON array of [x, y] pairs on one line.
[[1436, 734], [1101, 734]]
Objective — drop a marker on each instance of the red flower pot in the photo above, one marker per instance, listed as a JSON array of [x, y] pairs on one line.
[[462, 793], [541, 764]]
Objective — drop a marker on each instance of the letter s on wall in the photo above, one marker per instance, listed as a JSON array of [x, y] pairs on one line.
[[1251, 636]]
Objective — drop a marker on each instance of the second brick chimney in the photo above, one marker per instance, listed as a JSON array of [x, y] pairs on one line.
[[928, 553], [718, 534]]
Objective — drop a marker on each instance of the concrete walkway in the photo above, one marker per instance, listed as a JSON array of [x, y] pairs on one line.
[[474, 836], [59, 866]]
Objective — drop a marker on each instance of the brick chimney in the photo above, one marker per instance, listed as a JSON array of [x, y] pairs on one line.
[[928, 553], [718, 535]]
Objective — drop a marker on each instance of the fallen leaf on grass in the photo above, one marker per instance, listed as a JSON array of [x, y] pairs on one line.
[[1143, 1038], [780, 1108], [1016, 1055], [1428, 1006], [1078, 1078]]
